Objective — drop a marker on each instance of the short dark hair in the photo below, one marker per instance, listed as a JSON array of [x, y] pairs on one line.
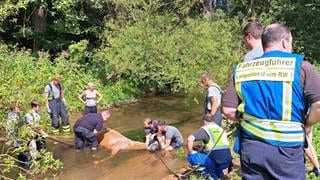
[[15, 105], [162, 123], [34, 103], [254, 28], [274, 33]]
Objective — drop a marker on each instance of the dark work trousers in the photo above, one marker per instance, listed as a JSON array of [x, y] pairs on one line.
[[58, 109], [260, 160], [90, 109], [83, 134]]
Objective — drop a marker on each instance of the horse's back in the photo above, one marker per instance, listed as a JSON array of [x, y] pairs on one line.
[[113, 139]]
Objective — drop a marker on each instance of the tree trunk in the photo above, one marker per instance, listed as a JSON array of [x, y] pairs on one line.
[[39, 22], [207, 7]]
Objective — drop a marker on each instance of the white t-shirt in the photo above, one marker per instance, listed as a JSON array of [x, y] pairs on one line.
[[55, 91], [91, 97], [214, 91]]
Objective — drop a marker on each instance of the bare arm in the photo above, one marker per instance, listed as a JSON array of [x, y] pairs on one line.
[[230, 113], [230, 101], [80, 97], [214, 105], [166, 144], [100, 96], [310, 78], [191, 139], [161, 140], [314, 116], [62, 98], [310, 151], [46, 96]]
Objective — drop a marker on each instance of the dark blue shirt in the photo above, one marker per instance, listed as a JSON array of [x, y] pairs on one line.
[[90, 121]]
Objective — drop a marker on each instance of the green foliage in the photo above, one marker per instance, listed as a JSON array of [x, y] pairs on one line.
[[78, 51], [180, 153], [129, 47], [316, 145], [301, 17], [43, 163], [65, 22], [9, 8], [24, 77], [150, 55]]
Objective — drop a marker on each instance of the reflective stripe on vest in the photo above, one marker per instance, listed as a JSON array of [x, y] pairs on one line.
[[286, 101], [215, 132], [267, 88], [284, 133]]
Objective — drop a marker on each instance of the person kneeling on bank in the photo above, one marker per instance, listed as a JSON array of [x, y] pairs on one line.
[[216, 155], [87, 127], [169, 137]]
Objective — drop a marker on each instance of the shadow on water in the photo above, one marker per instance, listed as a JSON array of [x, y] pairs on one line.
[[134, 164]]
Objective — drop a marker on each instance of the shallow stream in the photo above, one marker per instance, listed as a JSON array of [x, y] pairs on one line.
[[134, 164]]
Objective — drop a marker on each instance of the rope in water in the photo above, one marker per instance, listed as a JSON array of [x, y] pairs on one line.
[[47, 136]]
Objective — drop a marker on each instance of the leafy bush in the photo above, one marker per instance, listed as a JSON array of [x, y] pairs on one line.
[[43, 162], [150, 55], [23, 78]]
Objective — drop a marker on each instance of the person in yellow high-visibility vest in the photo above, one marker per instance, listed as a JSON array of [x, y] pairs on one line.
[[216, 155]]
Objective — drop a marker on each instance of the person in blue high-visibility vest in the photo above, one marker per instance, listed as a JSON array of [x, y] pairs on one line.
[[216, 155], [268, 97]]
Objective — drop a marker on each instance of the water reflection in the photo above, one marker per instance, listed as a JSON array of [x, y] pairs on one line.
[[172, 109]]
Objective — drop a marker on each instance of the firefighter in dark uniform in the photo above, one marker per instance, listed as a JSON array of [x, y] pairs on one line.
[[56, 106]]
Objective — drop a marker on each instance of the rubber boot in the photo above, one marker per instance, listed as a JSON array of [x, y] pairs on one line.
[[66, 130]]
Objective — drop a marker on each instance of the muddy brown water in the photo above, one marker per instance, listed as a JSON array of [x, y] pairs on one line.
[[134, 164]]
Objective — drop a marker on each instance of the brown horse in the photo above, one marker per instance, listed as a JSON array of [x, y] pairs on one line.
[[115, 142]]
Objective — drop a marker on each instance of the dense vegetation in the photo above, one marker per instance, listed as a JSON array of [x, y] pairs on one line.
[[129, 48]]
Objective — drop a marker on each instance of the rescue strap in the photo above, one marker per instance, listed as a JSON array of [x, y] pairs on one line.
[[179, 176], [47, 136]]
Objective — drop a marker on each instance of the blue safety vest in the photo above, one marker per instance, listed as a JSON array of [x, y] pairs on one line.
[[271, 98]]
